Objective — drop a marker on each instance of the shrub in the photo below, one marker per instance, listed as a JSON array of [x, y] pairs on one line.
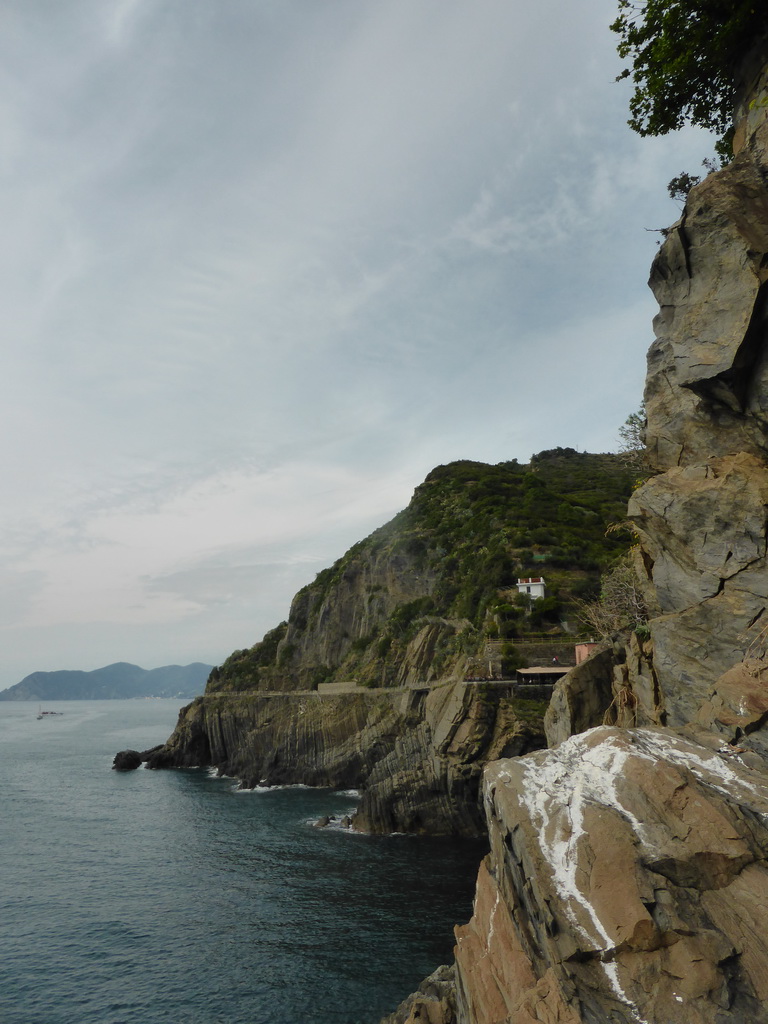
[[621, 606]]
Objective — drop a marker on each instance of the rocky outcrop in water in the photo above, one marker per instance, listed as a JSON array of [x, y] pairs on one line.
[[126, 760]]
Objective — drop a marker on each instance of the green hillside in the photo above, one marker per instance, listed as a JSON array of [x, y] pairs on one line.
[[443, 573]]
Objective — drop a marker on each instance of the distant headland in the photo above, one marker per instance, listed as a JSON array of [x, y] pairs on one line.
[[120, 681]]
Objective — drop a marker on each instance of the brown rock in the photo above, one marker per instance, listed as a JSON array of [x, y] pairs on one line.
[[433, 1003], [581, 698], [737, 707], [616, 887]]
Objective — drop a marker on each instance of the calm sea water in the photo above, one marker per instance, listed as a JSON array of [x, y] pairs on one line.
[[154, 897]]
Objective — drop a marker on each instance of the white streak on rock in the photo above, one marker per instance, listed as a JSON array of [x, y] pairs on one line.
[[492, 919], [555, 795], [557, 787], [709, 768]]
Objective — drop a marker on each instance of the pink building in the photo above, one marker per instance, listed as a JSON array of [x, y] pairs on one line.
[[583, 651]]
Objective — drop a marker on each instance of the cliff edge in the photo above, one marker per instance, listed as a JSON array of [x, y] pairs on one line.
[[627, 879]]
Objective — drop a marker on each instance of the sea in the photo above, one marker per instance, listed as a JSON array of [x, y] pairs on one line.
[[173, 896]]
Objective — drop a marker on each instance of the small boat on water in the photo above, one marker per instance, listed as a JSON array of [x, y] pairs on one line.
[[47, 714]]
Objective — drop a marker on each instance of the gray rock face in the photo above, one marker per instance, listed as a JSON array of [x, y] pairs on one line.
[[704, 531], [706, 385], [702, 522], [323, 623], [429, 781], [126, 760]]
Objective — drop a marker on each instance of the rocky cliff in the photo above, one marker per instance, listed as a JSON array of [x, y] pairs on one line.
[[626, 880], [408, 604], [395, 625], [627, 876], [418, 754]]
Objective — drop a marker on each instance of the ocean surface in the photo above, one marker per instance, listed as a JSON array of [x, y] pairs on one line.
[[171, 896]]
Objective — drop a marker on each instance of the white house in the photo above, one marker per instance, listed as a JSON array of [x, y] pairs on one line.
[[534, 587]]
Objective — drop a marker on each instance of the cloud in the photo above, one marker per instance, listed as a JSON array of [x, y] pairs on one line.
[[119, 20], [135, 564], [264, 265]]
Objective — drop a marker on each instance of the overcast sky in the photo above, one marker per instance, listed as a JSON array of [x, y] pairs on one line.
[[265, 263]]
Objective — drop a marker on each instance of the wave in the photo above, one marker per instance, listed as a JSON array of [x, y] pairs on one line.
[[333, 823], [272, 789]]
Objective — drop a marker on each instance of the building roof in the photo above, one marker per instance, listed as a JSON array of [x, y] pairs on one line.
[[533, 579]]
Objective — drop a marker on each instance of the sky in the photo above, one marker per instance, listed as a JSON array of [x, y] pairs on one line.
[[265, 263]]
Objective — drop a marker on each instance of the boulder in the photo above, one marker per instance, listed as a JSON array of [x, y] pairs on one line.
[[433, 1003], [626, 882], [126, 760], [581, 698]]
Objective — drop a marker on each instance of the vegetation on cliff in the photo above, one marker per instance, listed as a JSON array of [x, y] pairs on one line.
[[685, 57], [438, 580]]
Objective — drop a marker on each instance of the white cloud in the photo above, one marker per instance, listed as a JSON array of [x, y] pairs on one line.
[[264, 265], [119, 18]]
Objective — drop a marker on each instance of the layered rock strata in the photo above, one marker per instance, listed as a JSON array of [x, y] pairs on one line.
[[417, 755], [701, 518]]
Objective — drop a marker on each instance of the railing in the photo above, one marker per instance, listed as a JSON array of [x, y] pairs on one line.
[[541, 638]]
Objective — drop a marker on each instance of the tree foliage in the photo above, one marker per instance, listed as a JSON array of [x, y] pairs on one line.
[[632, 433], [621, 606], [681, 185], [684, 56]]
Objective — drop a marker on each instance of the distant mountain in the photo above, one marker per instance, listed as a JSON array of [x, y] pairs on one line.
[[113, 682]]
